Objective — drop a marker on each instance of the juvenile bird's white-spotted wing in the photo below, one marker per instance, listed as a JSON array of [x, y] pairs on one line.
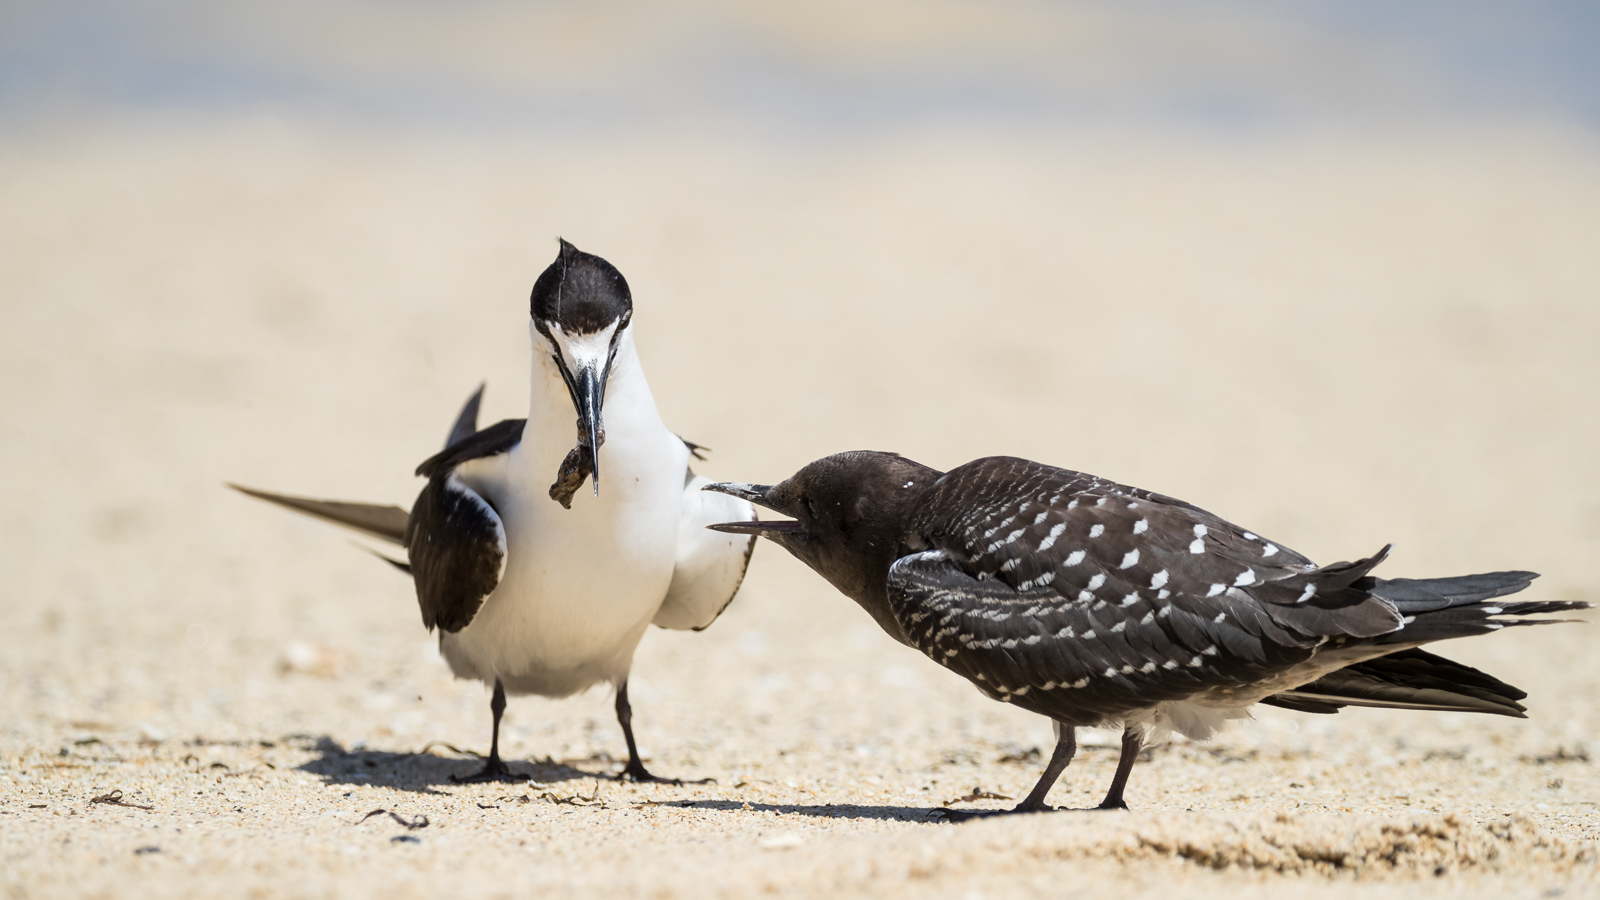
[[1090, 598]]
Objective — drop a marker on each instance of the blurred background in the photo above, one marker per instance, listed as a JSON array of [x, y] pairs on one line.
[[811, 73], [1329, 269]]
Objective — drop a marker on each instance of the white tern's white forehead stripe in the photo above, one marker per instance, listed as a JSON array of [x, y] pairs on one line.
[[581, 350]]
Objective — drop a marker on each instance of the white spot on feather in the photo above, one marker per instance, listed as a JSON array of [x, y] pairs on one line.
[[1130, 559], [1216, 589], [1097, 530], [1050, 539], [1141, 526], [1159, 580], [1075, 557], [1097, 581]]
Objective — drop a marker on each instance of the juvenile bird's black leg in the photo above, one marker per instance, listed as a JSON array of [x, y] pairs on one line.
[[494, 769], [1131, 745], [1066, 748]]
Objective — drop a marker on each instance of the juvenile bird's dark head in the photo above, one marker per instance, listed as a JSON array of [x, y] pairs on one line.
[[581, 306], [847, 519]]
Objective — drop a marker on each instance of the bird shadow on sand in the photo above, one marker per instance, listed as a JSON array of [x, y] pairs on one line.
[[820, 811], [422, 772]]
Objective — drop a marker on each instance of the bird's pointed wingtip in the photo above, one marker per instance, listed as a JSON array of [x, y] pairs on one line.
[[466, 423], [250, 491]]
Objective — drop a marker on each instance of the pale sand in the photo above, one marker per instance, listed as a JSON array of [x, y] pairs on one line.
[[1337, 346]]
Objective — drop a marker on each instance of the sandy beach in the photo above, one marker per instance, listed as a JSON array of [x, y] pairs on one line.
[[1338, 344]]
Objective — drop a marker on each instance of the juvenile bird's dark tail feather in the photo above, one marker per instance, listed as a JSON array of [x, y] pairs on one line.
[[1415, 595], [1408, 679], [1434, 609]]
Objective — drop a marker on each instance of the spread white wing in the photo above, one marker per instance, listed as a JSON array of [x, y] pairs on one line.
[[710, 565]]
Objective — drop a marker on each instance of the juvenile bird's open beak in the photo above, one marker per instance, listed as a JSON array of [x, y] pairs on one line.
[[757, 494]]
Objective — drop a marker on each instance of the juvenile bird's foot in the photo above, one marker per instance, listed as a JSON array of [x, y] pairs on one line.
[[967, 815]]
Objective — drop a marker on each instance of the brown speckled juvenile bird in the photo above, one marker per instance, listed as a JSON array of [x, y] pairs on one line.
[[1098, 604]]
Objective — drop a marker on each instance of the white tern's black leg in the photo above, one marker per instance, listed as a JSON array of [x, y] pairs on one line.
[[635, 770], [494, 768]]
